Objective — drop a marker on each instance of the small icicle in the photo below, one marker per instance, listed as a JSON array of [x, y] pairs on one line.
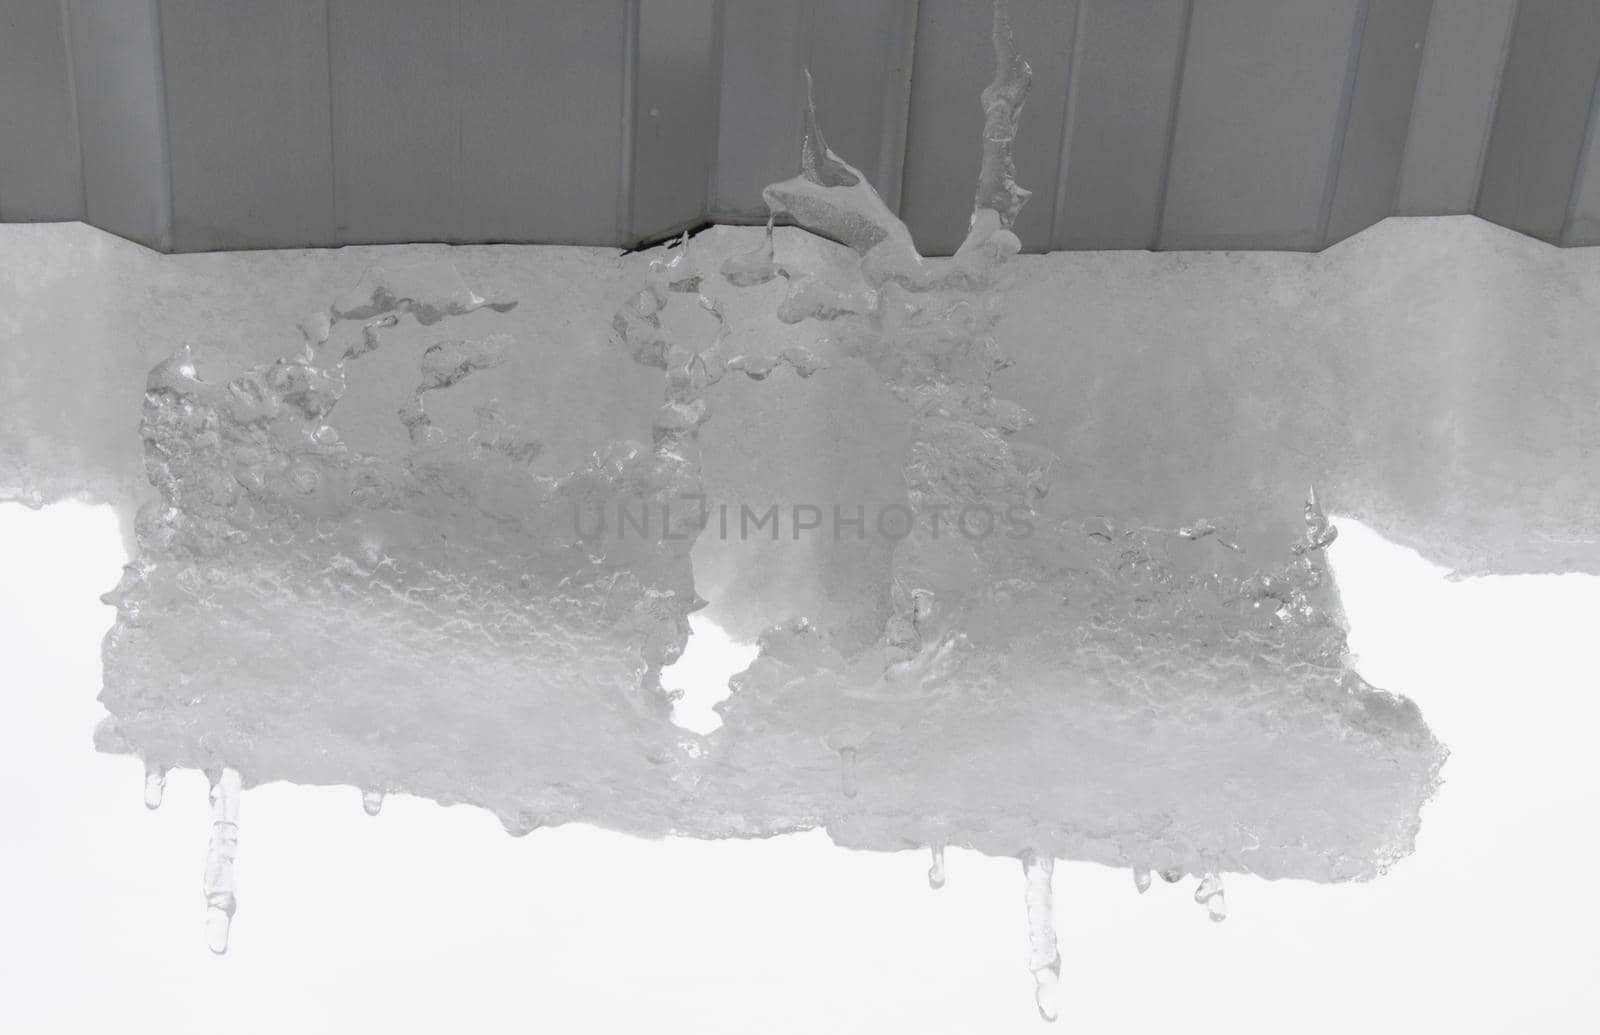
[[372, 802], [1319, 532], [1141, 880], [747, 269], [219, 882], [936, 870], [1172, 876], [1209, 894], [1043, 957], [155, 785], [847, 771]]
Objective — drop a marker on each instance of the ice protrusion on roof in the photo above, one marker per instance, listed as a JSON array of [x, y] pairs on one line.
[[363, 568], [1209, 893], [221, 902], [1044, 958]]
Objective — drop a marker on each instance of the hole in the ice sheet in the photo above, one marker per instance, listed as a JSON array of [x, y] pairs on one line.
[[709, 660]]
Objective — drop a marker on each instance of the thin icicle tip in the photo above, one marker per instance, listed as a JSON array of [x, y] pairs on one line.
[[1002, 109], [219, 878], [817, 163]]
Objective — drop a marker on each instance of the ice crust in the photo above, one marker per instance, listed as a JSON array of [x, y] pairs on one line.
[[365, 560]]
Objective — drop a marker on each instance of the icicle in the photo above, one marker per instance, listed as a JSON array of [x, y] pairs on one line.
[[1319, 533], [1002, 105], [936, 870], [372, 802], [219, 884], [1141, 880], [847, 771], [1043, 957], [747, 269], [1210, 895], [155, 785], [1172, 876]]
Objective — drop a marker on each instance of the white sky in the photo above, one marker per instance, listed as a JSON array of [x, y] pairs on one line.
[[429, 919]]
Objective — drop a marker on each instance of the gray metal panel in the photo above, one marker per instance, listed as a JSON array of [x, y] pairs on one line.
[[1120, 107], [1455, 100], [765, 45], [40, 176], [954, 61], [861, 58], [674, 115], [1531, 167], [1583, 220], [1258, 113], [394, 118], [249, 128], [1374, 139], [1188, 123], [542, 128], [116, 68]]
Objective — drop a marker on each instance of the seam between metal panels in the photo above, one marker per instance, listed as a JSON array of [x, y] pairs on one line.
[[896, 101], [72, 97], [1411, 113], [334, 226], [457, 109], [629, 113], [1580, 170], [719, 11], [1494, 105], [1069, 119], [1352, 71], [166, 235], [1160, 228]]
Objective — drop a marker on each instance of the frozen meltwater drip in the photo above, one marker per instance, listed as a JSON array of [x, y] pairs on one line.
[[155, 786], [1172, 876], [1141, 880], [1002, 107], [372, 802], [747, 269], [1209, 894], [847, 771], [219, 883], [936, 869], [1043, 957], [1319, 532]]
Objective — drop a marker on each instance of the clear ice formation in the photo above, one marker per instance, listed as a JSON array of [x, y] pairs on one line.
[[1209, 894], [1044, 959], [1076, 605], [219, 882], [936, 867]]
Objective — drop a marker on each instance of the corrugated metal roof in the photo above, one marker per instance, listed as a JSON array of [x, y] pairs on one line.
[[202, 124]]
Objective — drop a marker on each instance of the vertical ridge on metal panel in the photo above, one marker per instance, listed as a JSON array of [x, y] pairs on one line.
[[1124, 75], [899, 63], [1582, 225], [858, 56], [673, 132], [1258, 123], [249, 126], [1541, 121], [117, 72], [759, 102], [1164, 191], [41, 174], [542, 99], [1453, 106], [1367, 173]]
